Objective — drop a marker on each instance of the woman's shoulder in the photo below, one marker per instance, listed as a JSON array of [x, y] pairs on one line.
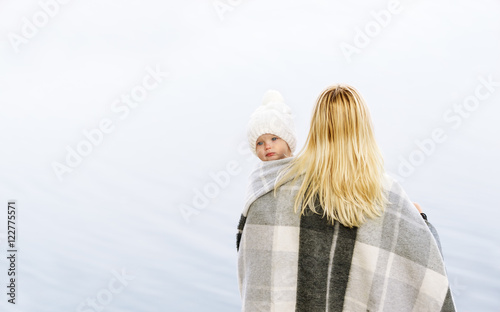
[[396, 196], [388, 182]]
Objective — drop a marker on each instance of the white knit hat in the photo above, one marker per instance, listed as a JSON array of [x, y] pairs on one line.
[[273, 117]]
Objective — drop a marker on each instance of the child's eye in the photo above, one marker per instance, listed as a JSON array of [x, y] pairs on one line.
[[259, 143], [274, 139]]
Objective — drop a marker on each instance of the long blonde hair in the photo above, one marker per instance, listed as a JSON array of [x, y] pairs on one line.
[[341, 163]]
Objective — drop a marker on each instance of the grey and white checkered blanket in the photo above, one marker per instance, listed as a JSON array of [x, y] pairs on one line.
[[288, 262]]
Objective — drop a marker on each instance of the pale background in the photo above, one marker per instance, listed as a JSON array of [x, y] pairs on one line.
[[120, 207]]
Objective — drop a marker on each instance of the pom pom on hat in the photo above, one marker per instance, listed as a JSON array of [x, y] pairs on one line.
[[273, 117], [272, 96]]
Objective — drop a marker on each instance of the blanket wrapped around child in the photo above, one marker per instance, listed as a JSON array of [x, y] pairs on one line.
[[288, 262]]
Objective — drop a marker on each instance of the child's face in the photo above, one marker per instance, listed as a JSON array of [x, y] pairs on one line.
[[272, 147]]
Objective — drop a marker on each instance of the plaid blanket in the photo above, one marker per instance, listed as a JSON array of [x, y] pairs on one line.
[[288, 262]]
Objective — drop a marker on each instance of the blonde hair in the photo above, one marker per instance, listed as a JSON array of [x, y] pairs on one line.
[[341, 163]]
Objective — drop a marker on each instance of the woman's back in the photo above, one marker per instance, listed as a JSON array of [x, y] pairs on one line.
[[341, 163], [293, 262]]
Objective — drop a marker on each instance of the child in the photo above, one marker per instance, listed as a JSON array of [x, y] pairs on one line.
[[271, 130], [271, 136]]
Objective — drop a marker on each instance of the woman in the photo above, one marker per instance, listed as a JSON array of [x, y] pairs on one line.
[[337, 234]]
